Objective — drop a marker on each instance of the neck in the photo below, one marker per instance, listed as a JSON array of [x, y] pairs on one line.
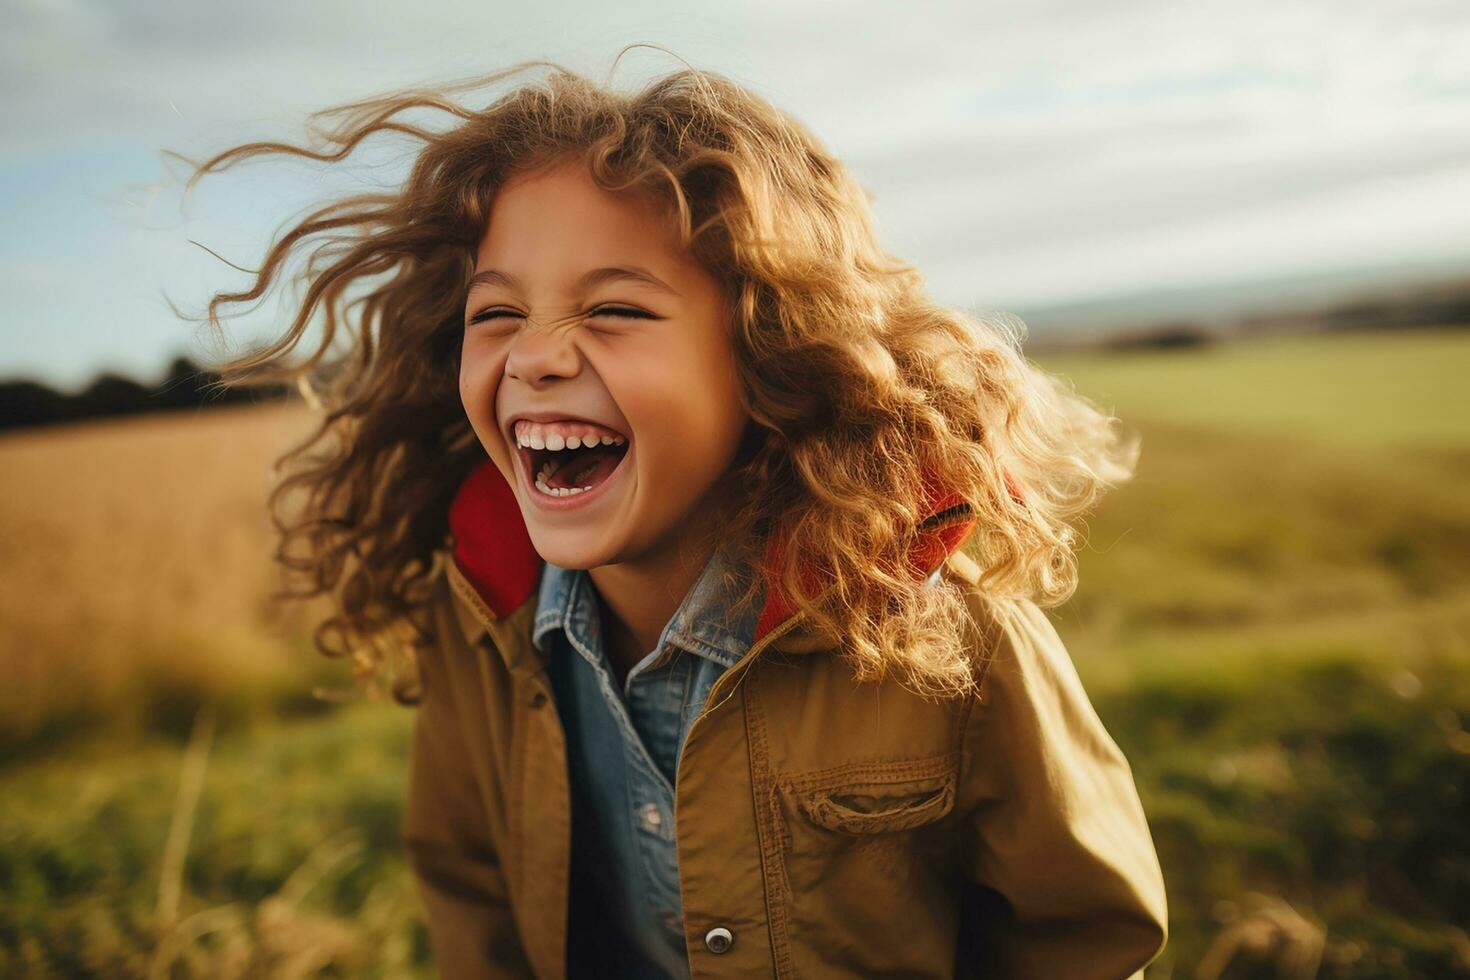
[[637, 598]]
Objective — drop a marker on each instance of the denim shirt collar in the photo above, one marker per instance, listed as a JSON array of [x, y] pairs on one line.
[[567, 600]]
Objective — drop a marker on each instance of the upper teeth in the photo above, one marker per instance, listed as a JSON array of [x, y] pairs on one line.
[[562, 435]]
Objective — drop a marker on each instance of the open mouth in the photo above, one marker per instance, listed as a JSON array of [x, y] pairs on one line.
[[568, 472]]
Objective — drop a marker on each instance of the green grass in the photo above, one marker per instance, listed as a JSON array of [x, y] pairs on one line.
[[1273, 622], [1373, 392], [1335, 783], [292, 855]]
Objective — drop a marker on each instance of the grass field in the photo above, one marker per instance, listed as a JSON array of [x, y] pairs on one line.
[[1273, 622], [1359, 392]]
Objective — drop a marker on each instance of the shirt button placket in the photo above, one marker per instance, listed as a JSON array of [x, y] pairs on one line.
[[651, 818]]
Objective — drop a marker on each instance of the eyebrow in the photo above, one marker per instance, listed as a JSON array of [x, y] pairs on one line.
[[631, 273]]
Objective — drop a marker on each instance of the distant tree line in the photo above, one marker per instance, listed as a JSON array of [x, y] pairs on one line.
[[1166, 336], [1423, 311], [1439, 305], [1446, 305], [29, 404]]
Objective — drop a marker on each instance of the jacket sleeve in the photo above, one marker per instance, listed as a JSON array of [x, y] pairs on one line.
[[1063, 879], [447, 843]]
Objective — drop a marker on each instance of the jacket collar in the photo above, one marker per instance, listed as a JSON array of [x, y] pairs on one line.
[[495, 569]]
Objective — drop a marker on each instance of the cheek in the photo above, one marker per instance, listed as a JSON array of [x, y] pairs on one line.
[[479, 382], [716, 403], [690, 426]]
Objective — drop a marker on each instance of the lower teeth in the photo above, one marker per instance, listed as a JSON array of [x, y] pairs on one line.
[[556, 491]]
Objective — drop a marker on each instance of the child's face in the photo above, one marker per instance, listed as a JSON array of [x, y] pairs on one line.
[[666, 382]]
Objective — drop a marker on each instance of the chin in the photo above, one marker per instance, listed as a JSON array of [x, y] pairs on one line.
[[567, 548]]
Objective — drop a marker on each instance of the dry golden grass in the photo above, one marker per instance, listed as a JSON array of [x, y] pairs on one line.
[[139, 548]]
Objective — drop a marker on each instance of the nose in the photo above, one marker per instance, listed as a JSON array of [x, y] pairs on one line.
[[540, 352]]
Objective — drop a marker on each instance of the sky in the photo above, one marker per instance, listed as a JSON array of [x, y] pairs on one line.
[[1023, 154]]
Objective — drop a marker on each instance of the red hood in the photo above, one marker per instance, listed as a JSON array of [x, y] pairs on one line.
[[494, 550]]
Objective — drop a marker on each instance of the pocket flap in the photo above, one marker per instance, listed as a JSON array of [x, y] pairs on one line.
[[880, 807]]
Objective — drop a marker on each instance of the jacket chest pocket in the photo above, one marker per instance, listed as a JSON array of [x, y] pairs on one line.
[[863, 861], [872, 798], [878, 808]]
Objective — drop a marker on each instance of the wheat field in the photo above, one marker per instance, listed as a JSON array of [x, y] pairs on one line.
[[133, 549]]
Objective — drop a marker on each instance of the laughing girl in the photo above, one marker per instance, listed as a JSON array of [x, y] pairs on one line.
[[719, 548]]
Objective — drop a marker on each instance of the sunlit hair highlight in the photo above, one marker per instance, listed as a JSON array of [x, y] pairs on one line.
[[857, 383]]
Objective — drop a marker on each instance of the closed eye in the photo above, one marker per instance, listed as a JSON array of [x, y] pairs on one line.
[[602, 311], [622, 311], [493, 315]]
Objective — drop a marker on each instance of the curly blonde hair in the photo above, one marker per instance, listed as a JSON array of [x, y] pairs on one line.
[[861, 386]]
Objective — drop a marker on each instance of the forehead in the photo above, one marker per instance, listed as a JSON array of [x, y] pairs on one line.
[[558, 218]]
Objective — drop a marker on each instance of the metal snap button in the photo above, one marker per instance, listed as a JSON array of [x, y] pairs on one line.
[[718, 939]]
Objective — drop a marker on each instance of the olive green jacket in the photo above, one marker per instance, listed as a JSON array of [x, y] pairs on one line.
[[824, 828]]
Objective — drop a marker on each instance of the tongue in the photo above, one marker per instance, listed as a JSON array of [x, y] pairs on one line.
[[586, 467]]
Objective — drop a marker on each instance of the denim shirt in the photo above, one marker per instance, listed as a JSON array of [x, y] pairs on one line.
[[623, 749]]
